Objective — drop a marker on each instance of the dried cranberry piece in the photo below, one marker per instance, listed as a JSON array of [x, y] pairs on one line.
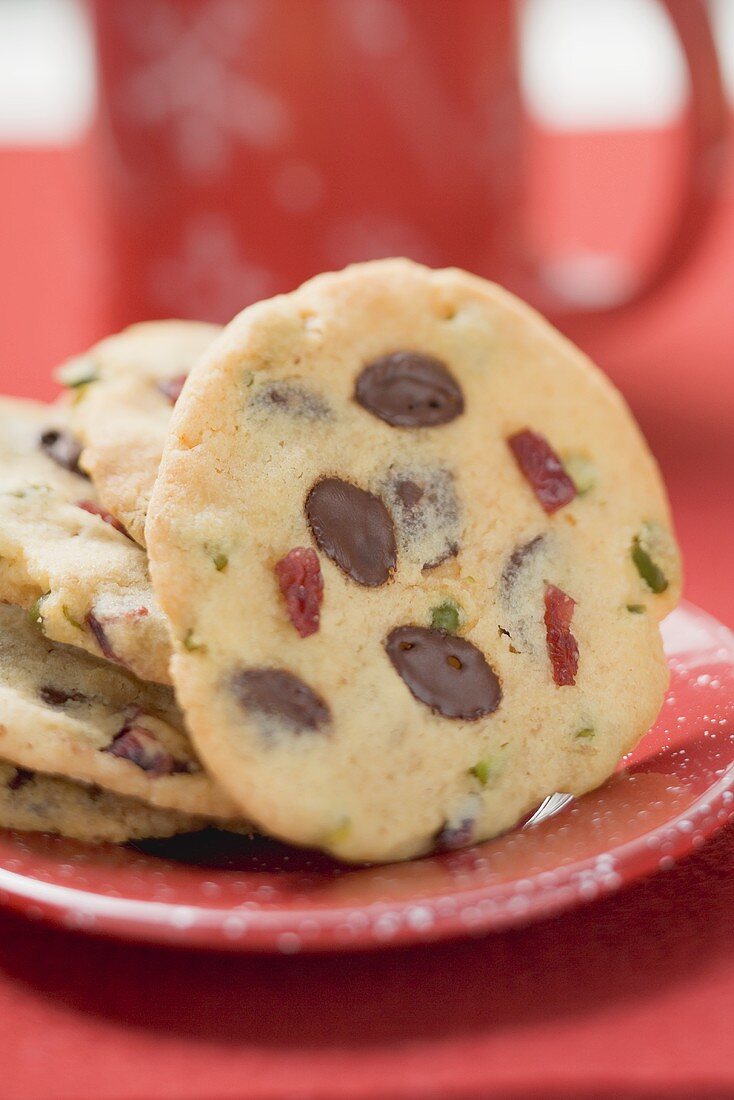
[[102, 640], [171, 387], [300, 580], [543, 469], [138, 745], [563, 649], [95, 509]]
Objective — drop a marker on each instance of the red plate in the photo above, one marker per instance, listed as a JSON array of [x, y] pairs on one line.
[[257, 895]]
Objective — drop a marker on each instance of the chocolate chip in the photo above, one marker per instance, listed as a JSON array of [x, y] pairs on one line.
[[291, 398], [21, 777], [277, 694], [57, 697], [426, 513], [409, 494], [518, 558], [63, 449], [453, 836], [450, 552], [354, 528], [171, 387], [409, 390], [447, 673]]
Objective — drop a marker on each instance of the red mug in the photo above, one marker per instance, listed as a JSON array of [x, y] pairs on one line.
[[253, 143]]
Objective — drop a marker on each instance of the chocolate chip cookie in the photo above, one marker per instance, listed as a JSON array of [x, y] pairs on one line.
[[69, 714], [35, 803], [414, 551], [123, 392], [63, 557]]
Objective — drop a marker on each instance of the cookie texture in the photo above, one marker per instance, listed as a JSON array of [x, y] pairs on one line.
[[414, 551], [63, 557], [35, 803], [124, 390], [65, 713]]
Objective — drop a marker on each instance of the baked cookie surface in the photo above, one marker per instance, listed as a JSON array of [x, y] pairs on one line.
[[63, 557], [414, 551], [124, 390], [36, 803], [65, 713]]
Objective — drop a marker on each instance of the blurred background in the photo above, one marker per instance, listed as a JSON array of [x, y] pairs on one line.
[[186, 157]]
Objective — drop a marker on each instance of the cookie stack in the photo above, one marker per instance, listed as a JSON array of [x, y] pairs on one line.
[[409, 553]]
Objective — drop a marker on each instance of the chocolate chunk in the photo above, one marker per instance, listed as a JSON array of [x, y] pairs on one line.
[[63, 449], [277, 694], [291, 398], [426, 513], [450, 552], [409, 494], [450, 837], [448, 674], [57, 697], [409, 390], [171, 387], [21, 777], [354, 528], [516, 561]]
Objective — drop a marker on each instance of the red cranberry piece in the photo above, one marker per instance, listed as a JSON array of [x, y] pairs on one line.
[[95, 509], [543, 469], [138, 745], [300, 580], [563, 649], [171, 387]]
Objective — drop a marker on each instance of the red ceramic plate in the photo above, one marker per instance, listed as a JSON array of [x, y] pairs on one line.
[[257, 895]]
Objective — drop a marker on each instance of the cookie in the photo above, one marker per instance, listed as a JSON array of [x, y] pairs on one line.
[[35, 803], [124, 391], [63, 557], [414, 551], [69, 714]]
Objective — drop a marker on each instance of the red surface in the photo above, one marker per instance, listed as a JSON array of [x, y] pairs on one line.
[[631, 996]]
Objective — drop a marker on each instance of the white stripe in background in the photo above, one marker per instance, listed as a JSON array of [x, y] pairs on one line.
[[587, 64], [600, 64], [47, 72]]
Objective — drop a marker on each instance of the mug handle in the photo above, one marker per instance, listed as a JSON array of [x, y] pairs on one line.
[[708, 129]]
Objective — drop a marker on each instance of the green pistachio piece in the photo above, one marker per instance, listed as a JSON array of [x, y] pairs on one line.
[[191, 643], [220, 561], [78, 372], [649, 570], [339, 833], [636, 608], [445, 617], [585, 734], [582, 471], [70, 618], [35, 614], [481, 771]]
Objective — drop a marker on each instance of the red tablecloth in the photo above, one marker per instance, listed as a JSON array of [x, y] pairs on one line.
[[629, 997]]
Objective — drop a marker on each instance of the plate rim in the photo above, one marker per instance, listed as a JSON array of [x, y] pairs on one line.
[[478, 910]]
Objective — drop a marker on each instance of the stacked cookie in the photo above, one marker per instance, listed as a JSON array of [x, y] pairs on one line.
[[409, 553], [92, 743]]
